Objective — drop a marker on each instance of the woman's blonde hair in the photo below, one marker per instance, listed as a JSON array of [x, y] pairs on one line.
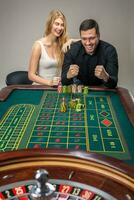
[[54, 14]]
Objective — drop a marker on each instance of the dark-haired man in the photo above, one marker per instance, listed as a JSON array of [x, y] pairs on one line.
[[90, 61]]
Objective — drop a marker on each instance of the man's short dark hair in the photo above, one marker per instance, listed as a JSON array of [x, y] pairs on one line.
[[89, 24]]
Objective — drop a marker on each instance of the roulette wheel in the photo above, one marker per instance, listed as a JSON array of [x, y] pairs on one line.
[[74, 175]]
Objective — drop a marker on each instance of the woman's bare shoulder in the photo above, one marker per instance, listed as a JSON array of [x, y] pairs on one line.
[[37, 44], [45, 41]]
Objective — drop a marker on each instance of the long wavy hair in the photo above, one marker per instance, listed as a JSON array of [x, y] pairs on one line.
[[53, 15]]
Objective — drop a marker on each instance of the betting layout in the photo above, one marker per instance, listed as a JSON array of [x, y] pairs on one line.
[[94, 127]]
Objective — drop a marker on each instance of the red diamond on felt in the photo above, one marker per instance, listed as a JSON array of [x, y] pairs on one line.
[[106, 122], [57, 140]]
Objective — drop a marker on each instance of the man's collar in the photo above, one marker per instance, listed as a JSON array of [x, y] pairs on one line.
[[83, 50]]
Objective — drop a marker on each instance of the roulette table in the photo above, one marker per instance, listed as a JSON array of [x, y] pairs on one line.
[[76, 175], [30, 117]]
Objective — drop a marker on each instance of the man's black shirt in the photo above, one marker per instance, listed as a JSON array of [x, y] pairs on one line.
[[105, 54]]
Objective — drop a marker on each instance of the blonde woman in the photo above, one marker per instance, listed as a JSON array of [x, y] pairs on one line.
[[47, 53]]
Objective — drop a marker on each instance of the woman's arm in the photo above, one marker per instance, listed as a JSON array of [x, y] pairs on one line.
[[67, 45]]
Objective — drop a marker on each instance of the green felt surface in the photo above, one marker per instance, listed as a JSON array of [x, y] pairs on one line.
[[32, 119]]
